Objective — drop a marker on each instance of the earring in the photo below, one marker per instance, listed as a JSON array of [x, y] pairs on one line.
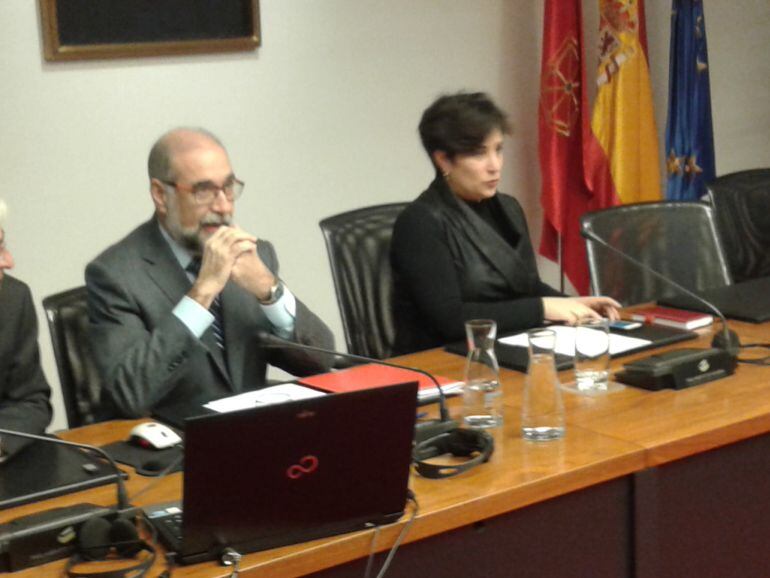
[[445, 174]]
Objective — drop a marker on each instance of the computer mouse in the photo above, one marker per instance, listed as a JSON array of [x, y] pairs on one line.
[[153, 435]]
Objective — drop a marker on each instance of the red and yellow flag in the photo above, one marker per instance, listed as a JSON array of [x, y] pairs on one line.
[[623, 119], [565, 139]]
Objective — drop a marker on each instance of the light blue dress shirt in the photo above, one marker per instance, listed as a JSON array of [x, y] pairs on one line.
[[197, 318]]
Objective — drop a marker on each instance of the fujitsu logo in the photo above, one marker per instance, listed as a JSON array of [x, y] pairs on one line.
[[306, 465]]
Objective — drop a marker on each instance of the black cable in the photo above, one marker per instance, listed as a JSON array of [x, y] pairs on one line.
[[170, 558], [153, 536], [372, 552], [758, 360], [155, 481], [404, 531]]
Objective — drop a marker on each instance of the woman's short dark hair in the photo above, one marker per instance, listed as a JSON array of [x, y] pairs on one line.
[[459, 123]]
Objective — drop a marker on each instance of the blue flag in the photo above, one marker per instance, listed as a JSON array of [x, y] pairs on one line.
[[689, 134]]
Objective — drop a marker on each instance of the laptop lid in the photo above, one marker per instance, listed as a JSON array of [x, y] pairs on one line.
[[291, 472], [45, 470], [746, 301]]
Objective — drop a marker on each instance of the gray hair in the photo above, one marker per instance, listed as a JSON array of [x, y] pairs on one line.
[[3, 212], [159, 161]]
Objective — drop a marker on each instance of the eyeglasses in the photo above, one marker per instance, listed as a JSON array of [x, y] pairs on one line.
[[204, 193]]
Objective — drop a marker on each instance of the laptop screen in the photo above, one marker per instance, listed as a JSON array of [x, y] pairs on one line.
[[746, 301], [291, 472]]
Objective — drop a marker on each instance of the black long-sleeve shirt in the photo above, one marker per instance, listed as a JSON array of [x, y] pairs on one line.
[[445, 254]]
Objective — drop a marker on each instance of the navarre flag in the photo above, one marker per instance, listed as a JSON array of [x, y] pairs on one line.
[[563, 132], [623, 119], [689, 134]]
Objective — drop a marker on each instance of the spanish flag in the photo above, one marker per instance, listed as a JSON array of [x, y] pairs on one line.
[[623, 119]]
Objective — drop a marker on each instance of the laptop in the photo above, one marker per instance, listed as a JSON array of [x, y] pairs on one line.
[[46, 470], [745, 301], [286, 473]]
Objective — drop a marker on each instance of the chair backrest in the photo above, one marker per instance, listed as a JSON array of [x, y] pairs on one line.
[[741, 201], [358, 243], [67, 315], [676, 239]]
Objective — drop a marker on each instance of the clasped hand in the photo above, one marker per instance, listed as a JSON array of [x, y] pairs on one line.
[[231, 253]]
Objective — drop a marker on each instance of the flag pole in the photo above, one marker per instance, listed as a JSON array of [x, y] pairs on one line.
[[561, 263]]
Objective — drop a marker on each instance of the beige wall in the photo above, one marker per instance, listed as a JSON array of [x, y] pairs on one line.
[[321, 119]]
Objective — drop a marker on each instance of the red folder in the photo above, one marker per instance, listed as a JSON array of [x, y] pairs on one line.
[[673, 317], [373, 375]]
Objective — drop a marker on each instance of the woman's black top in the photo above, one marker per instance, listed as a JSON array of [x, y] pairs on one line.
[[454, 261]]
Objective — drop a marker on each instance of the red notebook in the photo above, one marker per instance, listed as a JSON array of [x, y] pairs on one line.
[[673, 317], [373, 375]]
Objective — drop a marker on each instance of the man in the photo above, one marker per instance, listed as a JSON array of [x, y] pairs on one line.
[[176, 305], [24, 391]]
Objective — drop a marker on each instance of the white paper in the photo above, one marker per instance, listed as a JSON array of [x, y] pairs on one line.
[[565, 341], [452, 388], [267, 396]]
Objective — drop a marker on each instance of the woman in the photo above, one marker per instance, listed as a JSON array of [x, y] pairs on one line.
[[462, 251]]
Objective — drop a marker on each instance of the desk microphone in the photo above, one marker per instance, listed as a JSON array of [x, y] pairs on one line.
[[423, 430], [50, 535], [685, 367]]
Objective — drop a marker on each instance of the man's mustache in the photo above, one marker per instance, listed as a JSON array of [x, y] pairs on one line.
[[216, 221]]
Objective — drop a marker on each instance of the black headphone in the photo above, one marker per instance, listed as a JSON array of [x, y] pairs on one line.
[[458, 442], [99, 538]]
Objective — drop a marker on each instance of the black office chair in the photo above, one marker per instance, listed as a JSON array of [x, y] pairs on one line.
[[358, 243], [67, 315], [741, 202], [677, 239]]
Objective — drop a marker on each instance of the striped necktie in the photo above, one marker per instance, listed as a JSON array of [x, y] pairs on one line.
[[194, 267]]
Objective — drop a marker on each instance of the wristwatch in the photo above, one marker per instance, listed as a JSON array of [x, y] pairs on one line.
[[276, 292]]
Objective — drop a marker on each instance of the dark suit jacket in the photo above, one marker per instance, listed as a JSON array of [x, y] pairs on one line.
[[148, 359], [24, 391], [450, 265]]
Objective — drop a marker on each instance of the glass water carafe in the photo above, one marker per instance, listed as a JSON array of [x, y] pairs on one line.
[[482, 394]]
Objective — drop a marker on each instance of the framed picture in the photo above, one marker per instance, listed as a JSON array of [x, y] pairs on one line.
[[93, 29]]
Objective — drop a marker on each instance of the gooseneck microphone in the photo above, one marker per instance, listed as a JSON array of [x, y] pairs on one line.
[[423, 430], [727, 339]]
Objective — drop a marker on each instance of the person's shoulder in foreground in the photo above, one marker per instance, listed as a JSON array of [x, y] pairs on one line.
[[175, 306], [24, 391]]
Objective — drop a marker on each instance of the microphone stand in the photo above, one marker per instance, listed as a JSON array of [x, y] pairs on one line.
[[727, 339], [423, 430]]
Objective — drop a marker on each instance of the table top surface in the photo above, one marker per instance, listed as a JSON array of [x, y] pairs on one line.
[[607, 437]]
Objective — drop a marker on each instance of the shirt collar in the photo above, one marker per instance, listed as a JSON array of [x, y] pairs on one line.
[[182, 255]]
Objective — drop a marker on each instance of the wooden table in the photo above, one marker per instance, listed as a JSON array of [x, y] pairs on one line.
[[643, 484]]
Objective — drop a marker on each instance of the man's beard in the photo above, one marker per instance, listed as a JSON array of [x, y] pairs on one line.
[[191, 238]]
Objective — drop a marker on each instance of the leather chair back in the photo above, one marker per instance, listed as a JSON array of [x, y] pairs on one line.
[[358, 244], [741, 202], [676, 239], [67, 315]]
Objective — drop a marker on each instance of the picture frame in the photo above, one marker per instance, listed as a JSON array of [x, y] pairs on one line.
[[99, 29]]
